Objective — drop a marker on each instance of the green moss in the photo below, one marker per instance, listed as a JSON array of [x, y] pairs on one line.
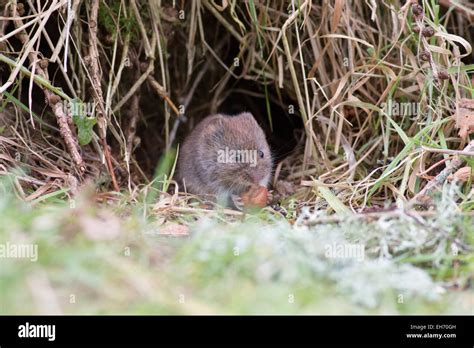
[[109, 16]]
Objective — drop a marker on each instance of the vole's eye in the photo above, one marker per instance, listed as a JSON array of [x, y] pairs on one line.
[[260, 153]]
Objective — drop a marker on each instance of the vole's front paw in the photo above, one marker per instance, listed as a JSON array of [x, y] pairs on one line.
[[270, 197], [238, 202]]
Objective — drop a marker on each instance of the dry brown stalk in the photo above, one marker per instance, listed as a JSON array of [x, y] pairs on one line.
[[160, 90], [423, 197], [53, 100], [95, 73], [132, 127]]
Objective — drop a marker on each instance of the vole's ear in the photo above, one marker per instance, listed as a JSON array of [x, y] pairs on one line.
[[246, 119], [215, 127], [246, 115]]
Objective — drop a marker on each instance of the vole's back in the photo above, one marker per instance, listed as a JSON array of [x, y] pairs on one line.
[[193, 163]]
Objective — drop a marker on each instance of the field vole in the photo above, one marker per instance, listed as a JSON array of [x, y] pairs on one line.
[[224, 156]]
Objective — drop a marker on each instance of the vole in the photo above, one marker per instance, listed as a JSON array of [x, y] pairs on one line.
[[224, 156]]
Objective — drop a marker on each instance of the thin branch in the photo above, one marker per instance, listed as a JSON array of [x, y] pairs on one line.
[[97, 90], [423, 197]]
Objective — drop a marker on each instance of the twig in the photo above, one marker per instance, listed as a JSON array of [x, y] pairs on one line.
[[185, 102], [112, 88], [132, 129], [149, 51], [447, 151], [160, 90], [426, 171], [423, 197], [96, 87]]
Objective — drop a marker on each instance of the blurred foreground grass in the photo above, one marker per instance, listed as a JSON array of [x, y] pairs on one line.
[[115, 258]]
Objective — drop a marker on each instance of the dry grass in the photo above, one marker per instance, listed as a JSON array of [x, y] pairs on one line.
[[150, 71]]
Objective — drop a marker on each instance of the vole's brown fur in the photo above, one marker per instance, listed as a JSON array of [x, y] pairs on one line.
[[199, 170]]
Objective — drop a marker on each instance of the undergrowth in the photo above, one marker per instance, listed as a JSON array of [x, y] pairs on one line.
[[115, 259]]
